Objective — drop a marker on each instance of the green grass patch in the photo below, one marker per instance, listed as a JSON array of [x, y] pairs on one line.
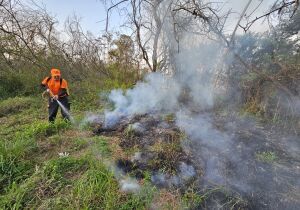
[[17, 154], [64, 167], [101, 145], [96, 189], [14, 166], [20, 195], [62, 182], [69, 183], [142, 199], [54, 176], [268, 157], [15, 105], [79, 144], [44, 129], [192, 199]]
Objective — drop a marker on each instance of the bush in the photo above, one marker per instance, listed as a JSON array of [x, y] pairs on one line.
[[119, 78], [10, 86], [272, 90]]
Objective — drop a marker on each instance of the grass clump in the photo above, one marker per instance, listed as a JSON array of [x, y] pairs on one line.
[[140, 200], [44, 129], [64, 167], [69, 183], [13, 171], [20, 195], [14, 105], [268, 157], [195, 199], [192, 199], [14, 166], [167, 156], [169, 117], [129, 132], [79, 144], [95, 189], [101, 145], [16, 155], [54, 176]]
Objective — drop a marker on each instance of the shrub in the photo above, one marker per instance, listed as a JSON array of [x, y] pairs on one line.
[[10, 86]]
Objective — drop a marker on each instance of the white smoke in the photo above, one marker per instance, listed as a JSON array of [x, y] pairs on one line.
[[186, 171], [190, 85], [190, 88], [188, 93], [129, 185], [156, 93]]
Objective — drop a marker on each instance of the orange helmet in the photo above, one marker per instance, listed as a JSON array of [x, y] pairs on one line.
[[55, 72]]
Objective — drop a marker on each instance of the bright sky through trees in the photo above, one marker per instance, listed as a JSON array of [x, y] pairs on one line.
[[93, 13]]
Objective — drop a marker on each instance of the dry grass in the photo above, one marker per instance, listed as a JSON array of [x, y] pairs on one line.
[[117, 151], [167, 156], [167, 200]]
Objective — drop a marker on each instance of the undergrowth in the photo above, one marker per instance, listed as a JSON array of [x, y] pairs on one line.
[[34, 175]]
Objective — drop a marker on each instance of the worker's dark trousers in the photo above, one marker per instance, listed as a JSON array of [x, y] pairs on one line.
[[53, 108]]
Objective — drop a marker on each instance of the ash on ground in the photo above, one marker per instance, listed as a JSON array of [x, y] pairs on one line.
[[252, 166], [159, 151]]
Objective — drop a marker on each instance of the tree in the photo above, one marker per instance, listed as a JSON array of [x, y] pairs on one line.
[[147, 19]]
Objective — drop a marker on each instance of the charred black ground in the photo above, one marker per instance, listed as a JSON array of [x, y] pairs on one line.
[[258, 172]]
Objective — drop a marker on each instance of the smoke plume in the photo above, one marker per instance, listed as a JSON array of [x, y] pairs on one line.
[[189, 92]]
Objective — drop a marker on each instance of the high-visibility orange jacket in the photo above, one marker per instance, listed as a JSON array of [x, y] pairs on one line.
[[57, 87]]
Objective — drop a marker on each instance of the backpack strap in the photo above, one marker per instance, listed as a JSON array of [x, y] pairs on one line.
[[48, 79]]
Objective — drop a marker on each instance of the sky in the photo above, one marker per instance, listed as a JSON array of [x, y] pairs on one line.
[[237, 7], [93, 13]]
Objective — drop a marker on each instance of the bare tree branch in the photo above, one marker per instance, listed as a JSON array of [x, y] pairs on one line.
[[278, 9], [238, 23], [198, 12], [110, 8]]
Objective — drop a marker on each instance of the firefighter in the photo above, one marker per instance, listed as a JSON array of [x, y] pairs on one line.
[[57, 89]]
